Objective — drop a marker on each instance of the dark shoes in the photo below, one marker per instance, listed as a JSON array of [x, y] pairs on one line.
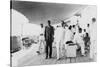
[[50, 57], [59, 59], [47, 57]]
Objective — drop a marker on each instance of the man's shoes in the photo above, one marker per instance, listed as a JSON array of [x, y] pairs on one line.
[[46, 58], [50, 57], [58, 59]]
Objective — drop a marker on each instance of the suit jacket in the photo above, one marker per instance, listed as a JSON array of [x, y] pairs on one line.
[[49, 33]]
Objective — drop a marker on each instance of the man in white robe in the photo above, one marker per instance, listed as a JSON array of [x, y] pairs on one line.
[[93, 39], [59, 39], [41, 40], [78, 38]]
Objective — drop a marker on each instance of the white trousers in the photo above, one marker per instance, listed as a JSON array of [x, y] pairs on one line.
[[41, 45], [59, 46], [92, 49], [82, 48]]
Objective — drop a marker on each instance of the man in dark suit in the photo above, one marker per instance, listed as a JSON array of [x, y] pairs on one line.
[[49, 37]]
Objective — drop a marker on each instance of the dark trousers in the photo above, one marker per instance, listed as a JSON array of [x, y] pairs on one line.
[[48, 49]]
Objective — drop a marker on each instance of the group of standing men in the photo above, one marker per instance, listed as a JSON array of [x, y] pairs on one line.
[[65, 34], [46, 39]]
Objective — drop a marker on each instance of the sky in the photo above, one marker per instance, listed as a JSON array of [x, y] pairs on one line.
[[39, 12]]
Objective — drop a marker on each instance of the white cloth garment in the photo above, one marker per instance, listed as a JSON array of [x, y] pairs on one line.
[[41, 41], [74, 29], [41, 37], [93, 40], [68, 35], [71, 51], [78, 39], [59, 39]]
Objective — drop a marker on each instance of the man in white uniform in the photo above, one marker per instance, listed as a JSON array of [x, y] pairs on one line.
[[93, 38], [41, 40], [59, 39], [78, 38]]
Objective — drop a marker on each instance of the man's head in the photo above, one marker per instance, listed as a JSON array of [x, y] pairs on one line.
[[73, 26], [41, 25], [88, 25], [84, 30], [49, 22], [63, 24], [80, 30], [70, 27], [87, 34], [77, 20], [93, 19], [57, 26]]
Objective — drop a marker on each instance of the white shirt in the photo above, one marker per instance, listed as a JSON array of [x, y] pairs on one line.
[[42, 31], [59, 34], [41, 37], [93, 31], [68, 35], [78, 38]]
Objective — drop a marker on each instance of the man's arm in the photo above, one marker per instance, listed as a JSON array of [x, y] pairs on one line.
[[45, 33], [52, 30], [52, 33]]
